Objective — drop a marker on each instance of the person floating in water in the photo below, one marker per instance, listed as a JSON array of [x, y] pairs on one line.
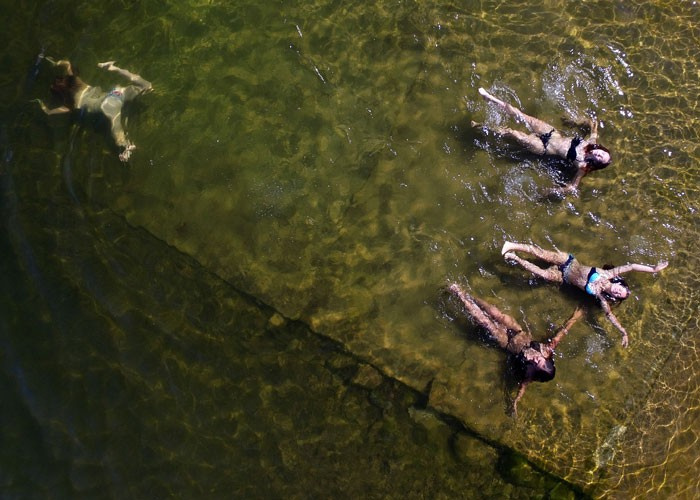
[[605, 284], [76, 94], [531, 360], [585, 154]]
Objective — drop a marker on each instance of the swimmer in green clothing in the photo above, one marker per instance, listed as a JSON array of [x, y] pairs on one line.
[[606, 285], [76, 94]]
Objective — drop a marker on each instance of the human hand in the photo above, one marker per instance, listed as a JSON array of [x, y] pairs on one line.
[[578, 313], [625, 340]]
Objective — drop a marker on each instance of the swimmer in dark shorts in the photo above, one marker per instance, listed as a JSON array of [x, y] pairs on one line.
[[606, 285], [531, 360], [545, 139], [76, 94]]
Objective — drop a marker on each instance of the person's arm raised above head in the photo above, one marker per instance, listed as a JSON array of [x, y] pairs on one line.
[[561, 333], [642, 268], [54, 111]]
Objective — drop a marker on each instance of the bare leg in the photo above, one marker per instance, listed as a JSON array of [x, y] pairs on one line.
[[112, 109], [125, 145], [137, 80], [537, 125], [531, 142], [550, 256], [497, 332], [499, 316], [552, 274]]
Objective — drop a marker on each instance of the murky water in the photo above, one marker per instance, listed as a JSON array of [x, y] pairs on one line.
[[318, 157]]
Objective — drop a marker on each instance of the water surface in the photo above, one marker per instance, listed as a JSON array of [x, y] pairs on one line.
[[318, 157]]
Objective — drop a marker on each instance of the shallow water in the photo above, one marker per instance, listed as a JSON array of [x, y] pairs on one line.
[[318, 158]]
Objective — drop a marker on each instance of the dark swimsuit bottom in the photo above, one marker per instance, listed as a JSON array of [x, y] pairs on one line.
[[571, 153], [564, 268], [545, 140], [512, 334], [593, 275]]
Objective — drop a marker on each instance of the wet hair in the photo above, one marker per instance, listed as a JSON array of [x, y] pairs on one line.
[[64, 88], [592, 161], [526, 370], [619, 281]]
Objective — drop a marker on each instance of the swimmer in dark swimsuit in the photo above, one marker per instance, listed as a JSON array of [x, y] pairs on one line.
[[606, 285], [532, 361], [545, 139], [76, 94]]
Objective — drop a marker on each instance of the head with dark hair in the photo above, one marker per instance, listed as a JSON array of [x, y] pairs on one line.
[[617, 290], [596, 156], [65, 87], [534, 363]]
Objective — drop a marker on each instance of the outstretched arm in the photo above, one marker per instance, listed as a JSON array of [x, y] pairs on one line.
[[561, 192], [639, 268], [580, 174], [572, 187], [587, 122], [54, 111], [481, 317], [552, 344], [613, 319], [62, 62], [594, 131], [521, 393]]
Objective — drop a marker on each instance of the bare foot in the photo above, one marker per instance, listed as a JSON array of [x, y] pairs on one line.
[[507, 247], [126, 154], [491, 98], [109, 65]]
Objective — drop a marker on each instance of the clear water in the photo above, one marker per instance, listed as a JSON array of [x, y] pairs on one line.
[[317, 157]]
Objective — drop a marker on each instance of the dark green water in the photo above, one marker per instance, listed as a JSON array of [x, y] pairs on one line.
[[252, 306]]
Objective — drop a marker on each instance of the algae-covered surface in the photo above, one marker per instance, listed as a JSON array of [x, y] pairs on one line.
[[318, 158]]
